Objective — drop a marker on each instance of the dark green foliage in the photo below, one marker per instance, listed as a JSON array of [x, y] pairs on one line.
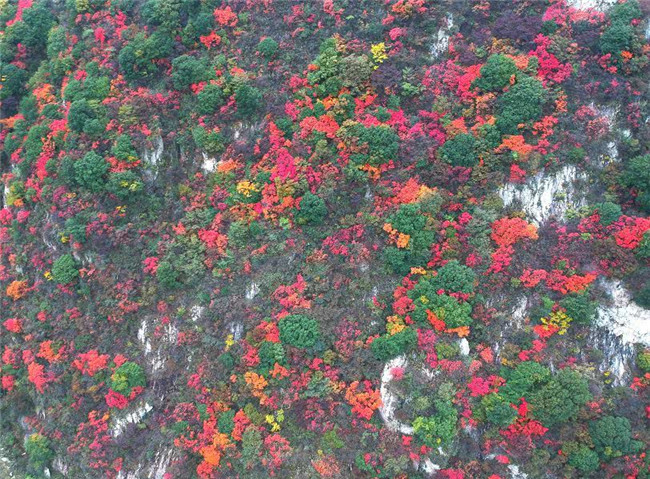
[[454, 277], [498, 410], [643, 250], [439, 429], [126, 377], [609, 212], [312, 210], [187, 70], [76, 228], [210, 98], [527, 377], [269, 354], [167, 275], [522, 103], [496, 73], [460, 150], [382, 144], [64, 269], [226, 422], [637, 175], [125, 184], [579, 307], [411, 220], [13, 83], [355, 71], [612, 437], [90, 172], [123, 149], [137, 58], [267, 48], [299, 331], [446, 308], [39, 451], [642, 297], [208, 140], [643, 361], [616, 38], [249, 101], [561, 398], [584, 459], [390, 346], [80, 113]]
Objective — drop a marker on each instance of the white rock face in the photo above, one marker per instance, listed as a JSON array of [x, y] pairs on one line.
[[515, 473], [119, 424], [599, 5], [441, 42], [545, 196], [464, 346], [209, 164], [237, 330], [157, 358], [152, 157], [624, 318], [196, 312], [389, 399], [156, 470], [252, 290]]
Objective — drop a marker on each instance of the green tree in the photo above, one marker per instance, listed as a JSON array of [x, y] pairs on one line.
[[616, 38], [125, 184], [498, 410], [454, 277], [188, 70], [525, 378], [267, 48], [637, 176], [643, 360], [126, 377], [64, 269], [210, 98], [439, 429], [584, 459], [390, 346], [561, 398], [299, 331], [460, 150], [312, 210], [39, 451], [579, 308], [167, 275], [522, 103], [249, 101], [612, 437], [90, 172], [609, 212], [496, 73]]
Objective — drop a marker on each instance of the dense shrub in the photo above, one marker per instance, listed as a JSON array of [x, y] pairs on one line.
[[522, 103], [267, 48], [90, 172], [299, 331], [579, 308], [312, 210], [496, 73], [561, 398], [608, 212], [460, 150], [126, 377], [612, 437], [390, 346], [64, 269]]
